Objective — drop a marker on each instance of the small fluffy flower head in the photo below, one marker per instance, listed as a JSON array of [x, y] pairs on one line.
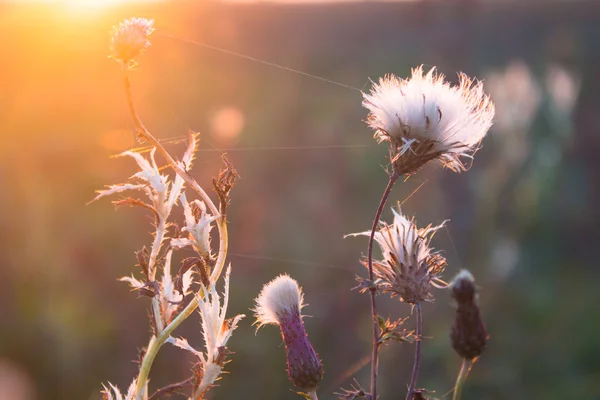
[[410, 266], [425, 118], [279, 303], [278, 298], [463, 287], [130, 39]]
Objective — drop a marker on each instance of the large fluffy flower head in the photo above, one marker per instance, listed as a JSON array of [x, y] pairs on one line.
[[278, 298], [410, 266], [130, 39], [425, 118]]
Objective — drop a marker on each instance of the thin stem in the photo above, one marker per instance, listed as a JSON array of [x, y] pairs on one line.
[[159, 236], [313, 395], [417, 361], [154, 346], [143, 132], [158, 341], [223, 247], [374, 316], [462, 377]]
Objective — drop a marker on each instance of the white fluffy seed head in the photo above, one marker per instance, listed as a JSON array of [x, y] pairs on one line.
[[425, 116], [279, 297]]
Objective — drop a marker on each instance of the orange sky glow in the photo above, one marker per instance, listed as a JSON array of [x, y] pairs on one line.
[[84, 5]]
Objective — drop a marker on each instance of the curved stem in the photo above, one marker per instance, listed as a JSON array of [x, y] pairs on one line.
[[158, 341], [223, 247], [313, 395], [374, 316], [154, 346], [462, 377], [417, 361], [143, 132]]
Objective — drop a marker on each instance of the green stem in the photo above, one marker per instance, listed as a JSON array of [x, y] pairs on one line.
[[462, 377], [154, 346], [223, 247]]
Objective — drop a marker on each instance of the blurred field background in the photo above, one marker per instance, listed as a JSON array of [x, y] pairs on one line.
[[524, 219]]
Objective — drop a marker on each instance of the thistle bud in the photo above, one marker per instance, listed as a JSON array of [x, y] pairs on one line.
[[130, 39], [468, 334], [280, 303]]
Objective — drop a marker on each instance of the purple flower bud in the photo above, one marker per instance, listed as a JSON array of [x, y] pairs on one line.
[[304, 366], [280, 303]]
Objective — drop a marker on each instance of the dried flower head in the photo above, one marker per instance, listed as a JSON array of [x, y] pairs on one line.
[[279, 303], [410, 266], [425, 118], [469, 335], [130, 39]]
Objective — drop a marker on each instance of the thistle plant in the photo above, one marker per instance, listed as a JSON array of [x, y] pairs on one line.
[[280, 302], [468, 335], [174, 296], [423, 119]]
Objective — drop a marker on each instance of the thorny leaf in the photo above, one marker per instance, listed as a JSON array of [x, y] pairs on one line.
[[182, 343], [186, 264], [134, 283], [130, 201], [221, 357], [355, 392], [186, 164], [390, 331], [366, 285], [112, 189], [143, 257], [203, 269], [173, 388], [224, 183], [150, 289], [112, 392], [198, 371], [141, 355]]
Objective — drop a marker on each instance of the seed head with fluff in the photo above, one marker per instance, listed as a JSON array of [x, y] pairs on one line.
[[425, 118]]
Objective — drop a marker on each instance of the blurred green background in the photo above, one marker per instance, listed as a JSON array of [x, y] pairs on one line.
[[524, 219]]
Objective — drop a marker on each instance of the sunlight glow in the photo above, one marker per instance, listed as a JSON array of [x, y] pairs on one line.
[[89, 5]]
